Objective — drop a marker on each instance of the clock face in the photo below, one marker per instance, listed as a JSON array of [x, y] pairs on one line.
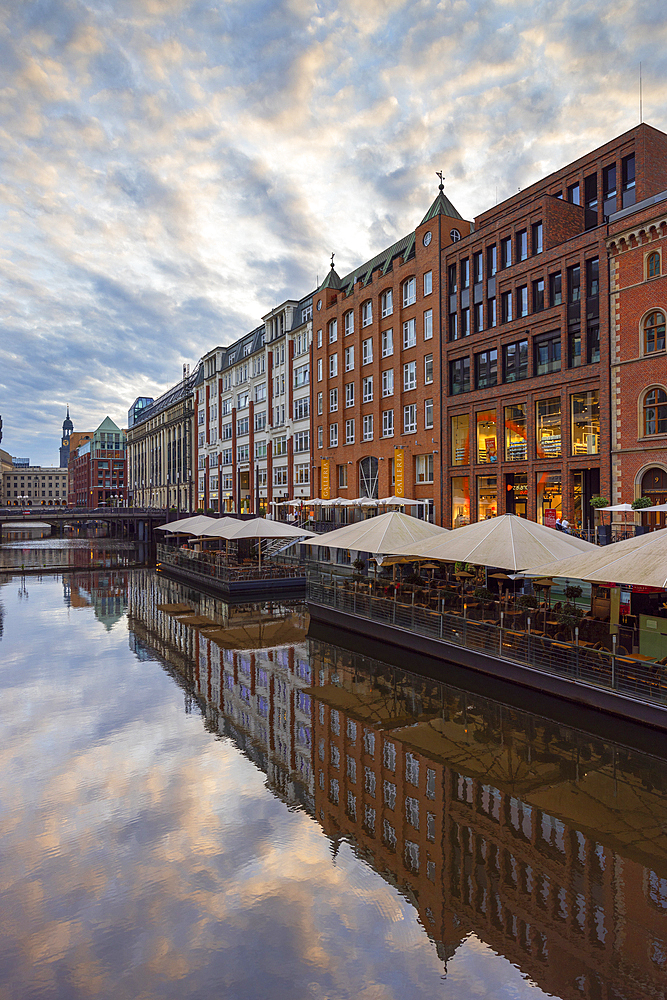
[[427, 238]]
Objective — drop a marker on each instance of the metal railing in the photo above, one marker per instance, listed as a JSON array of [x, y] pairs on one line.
[[639, 679], [212, 566]]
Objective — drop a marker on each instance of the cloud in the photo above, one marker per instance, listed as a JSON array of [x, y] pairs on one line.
[[172, 170]]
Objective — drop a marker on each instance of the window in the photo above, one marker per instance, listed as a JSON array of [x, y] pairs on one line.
[[491, 317], [460, 438], [302, 441], [243, 453], [574, 283], [428, 369], [477, 267], [655, 412], [319, 338], [424, 468], [459, 376], [555, 289], [453, 326], [409, 333], [486, 369], [320, 437], [387, 423], [547, 353], [367, 313], [260, 392], [333, 400], [573, 194], [609, 189], [465, 272], [428, 324], [333, 435], [243, 400], [654, 333], [506, 307], [593, 343], [319, 404], [280, 445], [451, 279], [548, 428], [349, 322], [280, 475], [410, 376], [333, 365], [628, 179], [388, 382], [522, 300], [342, 476], [387, 343], [428, 282], [537, 237], [516, 430], [333, 331], [242, 426], [506, 252], [585, 423], [367, 386], [389, 794], [653, 265], [409, 291], [349, 431], [349, 359], [428, 413], [387, 302], [410, 418], [522, 244], [574, 347], [367, 351], [302, 474], [349, 395], [302, 408], [491, 261], [319, 369], [368, 427], [515, 361]]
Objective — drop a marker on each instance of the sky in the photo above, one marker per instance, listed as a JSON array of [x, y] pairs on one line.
[[173, 169]]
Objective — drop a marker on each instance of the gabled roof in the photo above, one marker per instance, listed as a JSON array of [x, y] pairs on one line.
[[441, 206], [107, 425]]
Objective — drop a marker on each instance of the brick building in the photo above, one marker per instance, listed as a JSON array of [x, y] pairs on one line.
[[637, 246], [525, 349], [375, 393], [97, 468]]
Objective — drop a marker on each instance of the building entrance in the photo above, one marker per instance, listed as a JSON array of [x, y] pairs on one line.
[[368, 477], [654, 486]]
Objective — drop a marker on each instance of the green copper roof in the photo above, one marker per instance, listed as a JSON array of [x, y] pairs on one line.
[[331, 281], [441, 206], [108, 425]]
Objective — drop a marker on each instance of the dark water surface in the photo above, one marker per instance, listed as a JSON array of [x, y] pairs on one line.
[[288, 819]]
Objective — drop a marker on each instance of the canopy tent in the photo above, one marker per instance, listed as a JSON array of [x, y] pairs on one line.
[[395, 501], [618, 506], [385, 534], [661, 507], [224, 527], [641, 561], [260, 528], [507, 541], [195, 525]]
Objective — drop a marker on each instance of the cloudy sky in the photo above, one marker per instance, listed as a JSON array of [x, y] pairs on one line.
[[172, 169]]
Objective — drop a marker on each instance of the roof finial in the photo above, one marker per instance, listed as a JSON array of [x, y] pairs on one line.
[[441, 186], [332, 257]]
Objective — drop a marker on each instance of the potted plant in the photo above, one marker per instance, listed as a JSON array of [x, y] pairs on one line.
[[641, 502]]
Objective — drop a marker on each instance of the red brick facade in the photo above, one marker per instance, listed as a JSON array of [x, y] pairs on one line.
[[637, 249]]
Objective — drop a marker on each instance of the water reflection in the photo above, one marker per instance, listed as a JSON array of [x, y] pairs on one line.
[[71, 553], [497, 825]]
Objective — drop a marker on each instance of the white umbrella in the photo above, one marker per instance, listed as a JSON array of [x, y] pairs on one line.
[[195, 525], [395, 501], [641, 561], [384, 534], [224, 527], [662, 507], [618, 506], [508, 541], [260, 528]]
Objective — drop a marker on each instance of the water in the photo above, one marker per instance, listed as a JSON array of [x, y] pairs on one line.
[[180, 819]]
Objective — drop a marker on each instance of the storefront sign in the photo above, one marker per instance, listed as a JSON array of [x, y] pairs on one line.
[[399, 478], [550, 515], [326, 490]]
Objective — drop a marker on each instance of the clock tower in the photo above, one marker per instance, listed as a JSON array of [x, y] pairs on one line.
[[68, 427]]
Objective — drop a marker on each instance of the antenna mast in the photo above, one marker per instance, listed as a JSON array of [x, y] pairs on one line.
[[641, 109]]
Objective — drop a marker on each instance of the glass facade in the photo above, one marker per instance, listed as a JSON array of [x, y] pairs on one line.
[[460, 501], [487, 497], [516, 430], [585, 423], [460, 437], [487, 437], [548, 428], [549, 497]]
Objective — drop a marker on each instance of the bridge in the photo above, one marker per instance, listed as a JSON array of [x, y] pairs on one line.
[[130, 522]]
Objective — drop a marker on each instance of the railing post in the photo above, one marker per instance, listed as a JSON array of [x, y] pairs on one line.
[[528, 640], [500, 635], [413, 609], [441, 624], [335, 594], [613, 661], [576, 648]]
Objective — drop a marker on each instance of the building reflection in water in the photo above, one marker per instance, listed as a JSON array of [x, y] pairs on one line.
[[106, 593], [545, 843]]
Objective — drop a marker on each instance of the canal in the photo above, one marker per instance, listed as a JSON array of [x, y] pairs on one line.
[[200, 800]]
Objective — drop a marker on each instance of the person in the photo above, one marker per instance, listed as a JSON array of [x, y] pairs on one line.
[[565, 525], [559, 524]]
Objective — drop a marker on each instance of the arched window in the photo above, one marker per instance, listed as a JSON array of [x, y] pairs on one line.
[[655, 412], [654, 333], [653, 265]]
